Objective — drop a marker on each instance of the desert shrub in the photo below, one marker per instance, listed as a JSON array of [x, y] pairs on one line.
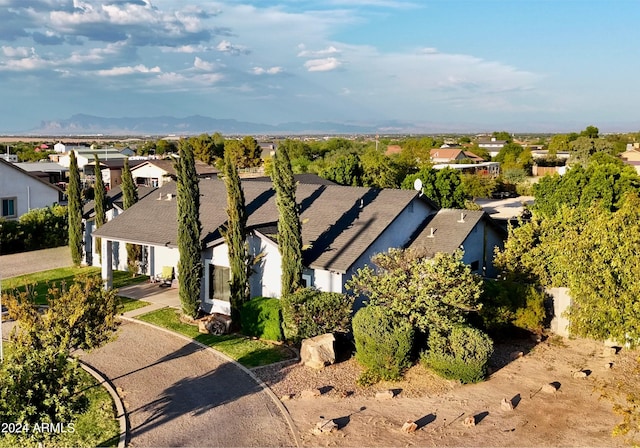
[[509, 304], [309, 312], [462, 354], [383, 344], [260, 317]]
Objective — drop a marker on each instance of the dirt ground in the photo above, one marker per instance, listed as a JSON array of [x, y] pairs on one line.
[[574, 415]]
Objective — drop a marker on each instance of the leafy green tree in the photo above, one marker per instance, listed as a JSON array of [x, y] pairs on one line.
[[558, 143], [39, 384], [74, 208], [503, 135], [346, 170], [100, 205], [509, 154], [235, 236], [478, 185], [444, 187], [130, 197], [480, 152], [289, 226], [431, 294], [590, 132], [165, 147], [583, 148], [378, 170], [189, 230]]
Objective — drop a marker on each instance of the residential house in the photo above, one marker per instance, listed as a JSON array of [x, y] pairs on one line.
[[472, 231], [493, 146], [155, 173], [485, 168], [342, 227], [85, 155], [114, 206], [632, 156], [50, 172], [111, 171], [21, 192], [449, 155]]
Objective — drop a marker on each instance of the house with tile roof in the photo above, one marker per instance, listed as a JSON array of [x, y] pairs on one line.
[[342, 227], [472, 231], [448, 155], [20, 191], [155, 173]]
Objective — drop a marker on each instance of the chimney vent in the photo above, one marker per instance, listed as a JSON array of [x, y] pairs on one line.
[[431, 234], [159, 196], [461, 217], [169, 196]]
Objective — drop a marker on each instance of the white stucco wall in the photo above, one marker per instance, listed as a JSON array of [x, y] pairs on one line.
[[266, 280], [30, 193], [160, 256], [474, 247], [328, 281]]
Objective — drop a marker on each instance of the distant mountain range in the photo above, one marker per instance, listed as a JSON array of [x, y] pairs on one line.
[[89, 125], [82, 124]]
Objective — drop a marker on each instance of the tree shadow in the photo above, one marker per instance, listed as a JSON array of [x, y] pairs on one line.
[[425, 420], [480, 416], [515, 400]]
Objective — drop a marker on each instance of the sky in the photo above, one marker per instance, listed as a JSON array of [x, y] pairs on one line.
[[494, 65]]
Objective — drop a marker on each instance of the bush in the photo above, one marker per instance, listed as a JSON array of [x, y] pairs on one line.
[[40, 228], [260, 317], [461, 355], [507, 304], [383, 344], [309, 312]]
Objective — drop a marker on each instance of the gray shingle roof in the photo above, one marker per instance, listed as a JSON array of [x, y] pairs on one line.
[[114, 197], [446, 231], [338, 223]]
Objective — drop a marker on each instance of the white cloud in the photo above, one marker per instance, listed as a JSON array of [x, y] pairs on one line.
[[320, 53], [266, 71], [428, 50], [185, 49], [201, 64], [227, 47], [119, 71], [17, 52], [322, 65]]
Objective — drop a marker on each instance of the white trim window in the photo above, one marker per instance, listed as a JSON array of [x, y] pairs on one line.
[[9, 208]]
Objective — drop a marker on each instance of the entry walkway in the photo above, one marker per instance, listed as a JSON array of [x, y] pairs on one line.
[[158, 296]]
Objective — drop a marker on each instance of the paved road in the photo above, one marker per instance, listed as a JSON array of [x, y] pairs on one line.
[[36, 261], [178, 394]]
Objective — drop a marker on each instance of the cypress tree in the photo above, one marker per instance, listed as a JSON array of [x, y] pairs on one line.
[[189, 229], [289, 228], [74, 210], [130, 197], [99, 203], [235, 237]]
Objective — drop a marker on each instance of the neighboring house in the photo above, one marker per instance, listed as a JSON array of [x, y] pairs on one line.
[[85, 155], [114, 207], [51, 172], [155, 173], [447, 155], [470, 230], [493, 146], [342, 227], [393, 149], [111, 171], [21, 192], [485, 168]]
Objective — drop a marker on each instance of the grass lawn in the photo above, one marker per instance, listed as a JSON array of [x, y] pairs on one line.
[[40, 282], [127, 304], [248, 352]]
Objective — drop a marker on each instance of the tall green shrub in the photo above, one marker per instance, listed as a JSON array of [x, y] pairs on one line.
[[130, 197], [235, 236], [74, 210], [189, 229], [289, 227], [383, 343], [261, 318], [507, 303], [463, 354], [309, 312], [99, 201]]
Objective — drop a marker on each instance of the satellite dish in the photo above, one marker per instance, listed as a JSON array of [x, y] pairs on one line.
[[417, 185]]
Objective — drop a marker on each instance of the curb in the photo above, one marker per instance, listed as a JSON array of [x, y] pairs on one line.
[[283, 409], [121, 413]]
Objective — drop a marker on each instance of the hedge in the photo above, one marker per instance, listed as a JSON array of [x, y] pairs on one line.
[[261, 318]]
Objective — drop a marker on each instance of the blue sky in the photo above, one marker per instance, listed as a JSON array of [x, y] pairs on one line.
[[510, 64]]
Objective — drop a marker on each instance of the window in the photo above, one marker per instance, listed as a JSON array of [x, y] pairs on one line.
[[306, 281], [475, 265], [9, 208], [219, 277]]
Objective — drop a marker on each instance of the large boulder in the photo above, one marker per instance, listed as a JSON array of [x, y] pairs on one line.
[[318, 351]]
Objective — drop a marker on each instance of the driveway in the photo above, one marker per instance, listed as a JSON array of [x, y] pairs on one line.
[[179, 394], [35, 261]]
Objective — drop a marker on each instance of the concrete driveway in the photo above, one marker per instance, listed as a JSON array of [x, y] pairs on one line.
[[36, 261], [179, 394]]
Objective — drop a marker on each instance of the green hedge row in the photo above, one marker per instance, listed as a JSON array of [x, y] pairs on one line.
[[40, 228]]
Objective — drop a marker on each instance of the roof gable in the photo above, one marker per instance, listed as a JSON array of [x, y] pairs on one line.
[[31, 176], [446, 230]]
